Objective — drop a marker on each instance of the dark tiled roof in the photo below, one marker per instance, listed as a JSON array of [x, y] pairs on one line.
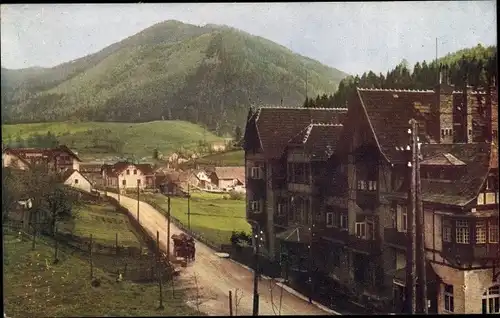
[[46, 153], [320, 140], [389, 113], [275, 126], [476, 156], [443, 159]]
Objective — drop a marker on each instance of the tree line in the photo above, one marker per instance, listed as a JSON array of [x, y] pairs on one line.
[[476, 67]]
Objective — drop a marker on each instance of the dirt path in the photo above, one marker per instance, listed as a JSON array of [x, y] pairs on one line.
[[216, 276]]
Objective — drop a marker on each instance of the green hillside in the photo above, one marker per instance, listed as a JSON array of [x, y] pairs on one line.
[[173, 70], [102, 140]]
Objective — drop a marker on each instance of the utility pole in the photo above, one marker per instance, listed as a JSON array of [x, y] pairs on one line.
[[310, 263], [118, 190], [256, 273], [138, 180], [168, 227], [422, 275], [189, 207], [411, 223], [306, 83]]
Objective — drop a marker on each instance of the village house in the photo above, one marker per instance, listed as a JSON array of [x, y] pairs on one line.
[[56, 159], [202, 179], [322, 181], [228, 177], [76, 179], [92, 171], [127, 175]]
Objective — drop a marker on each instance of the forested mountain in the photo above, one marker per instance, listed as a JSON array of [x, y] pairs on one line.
[[208, 75], [476, 67]]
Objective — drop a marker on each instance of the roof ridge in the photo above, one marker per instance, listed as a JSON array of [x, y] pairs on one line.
[[308, 133], [305, 108], [395, 90], [326, 125], [471, 92]]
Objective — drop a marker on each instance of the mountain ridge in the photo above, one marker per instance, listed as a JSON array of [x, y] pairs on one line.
[[172, 70]]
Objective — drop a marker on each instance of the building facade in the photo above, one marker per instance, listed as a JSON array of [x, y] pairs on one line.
[[125, 175], [330, 189]]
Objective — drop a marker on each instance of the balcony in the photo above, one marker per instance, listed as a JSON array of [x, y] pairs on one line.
[[394, 238], [370, 247], [335, 235], [367, 200], [469, 253], [299, 187]]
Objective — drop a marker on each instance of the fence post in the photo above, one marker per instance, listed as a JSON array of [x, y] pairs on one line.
[[230, 303], [116, 251], [56, 245], [91, 263], [158, 267]]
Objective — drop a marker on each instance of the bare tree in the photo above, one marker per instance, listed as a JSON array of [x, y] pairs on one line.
[[197, 299], [238, 295]]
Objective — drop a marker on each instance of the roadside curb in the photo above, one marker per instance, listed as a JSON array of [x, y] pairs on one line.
[[296, 293], [248, 268]]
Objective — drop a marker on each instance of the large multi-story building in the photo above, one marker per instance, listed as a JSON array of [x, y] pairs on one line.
[[57, 159], [328, 188]]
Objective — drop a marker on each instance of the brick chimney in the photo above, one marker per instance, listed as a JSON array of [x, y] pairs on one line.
[[442, 109]]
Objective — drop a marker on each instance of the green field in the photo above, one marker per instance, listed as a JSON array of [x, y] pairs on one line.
[[230, 158], [95, 140], [103, 222], [35, 287], [212, 216]]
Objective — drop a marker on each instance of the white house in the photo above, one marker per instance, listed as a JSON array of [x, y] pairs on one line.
[[77, 180], [125, 175]]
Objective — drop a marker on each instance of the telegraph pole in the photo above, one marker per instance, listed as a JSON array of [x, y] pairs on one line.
[[138, 200], [168, 227], [256, 273], [310, 263], [189, 207], [421, 230], [411, 223]]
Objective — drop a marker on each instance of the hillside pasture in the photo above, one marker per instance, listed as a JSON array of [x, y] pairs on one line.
[[98, 140]]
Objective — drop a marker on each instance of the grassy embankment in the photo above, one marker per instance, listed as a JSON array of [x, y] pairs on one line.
[[212, 216], [98, 140], [35, 287]]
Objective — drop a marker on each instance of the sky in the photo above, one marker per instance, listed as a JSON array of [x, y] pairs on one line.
[[354, 36]]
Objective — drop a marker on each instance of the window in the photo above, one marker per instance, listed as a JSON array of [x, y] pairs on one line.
[[470, 132], [372, 185], [329, 219], [124, 182], [361, 230], [290, 172], [491, 300], [493, 235], [281, 209], [446, 231], [135, 171], [402, 214], [255, 206], [76, 181], [448, 298], [462, 232], [128, 171], [442, 133], [344, 225], [255, 172], [138, 181], [480, 232]]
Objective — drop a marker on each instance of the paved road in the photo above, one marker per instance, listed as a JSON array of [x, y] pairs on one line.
[[216, 276]]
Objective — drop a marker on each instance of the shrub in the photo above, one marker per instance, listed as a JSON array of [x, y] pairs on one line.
[[234, 195]]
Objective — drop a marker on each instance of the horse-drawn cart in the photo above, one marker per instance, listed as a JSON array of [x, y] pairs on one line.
[[184, 246]]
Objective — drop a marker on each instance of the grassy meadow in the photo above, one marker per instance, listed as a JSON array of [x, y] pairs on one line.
[[35, 287], [98, 140], [230, 158], [212, 216]]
